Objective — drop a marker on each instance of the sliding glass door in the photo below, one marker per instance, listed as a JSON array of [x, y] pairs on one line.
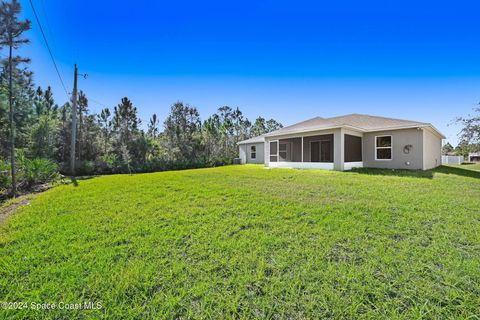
[[321, 151]]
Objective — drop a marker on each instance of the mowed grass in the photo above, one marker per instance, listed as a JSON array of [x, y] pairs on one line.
[[248, 242], [468, 166]]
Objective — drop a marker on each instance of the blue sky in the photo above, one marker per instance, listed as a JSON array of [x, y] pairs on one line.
[[286, 60]]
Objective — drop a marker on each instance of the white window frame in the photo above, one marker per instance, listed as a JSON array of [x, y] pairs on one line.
[[253, 154], [391, 147]]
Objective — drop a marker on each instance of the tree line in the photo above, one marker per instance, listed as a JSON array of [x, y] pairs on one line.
[[469, 136], [35, 130]]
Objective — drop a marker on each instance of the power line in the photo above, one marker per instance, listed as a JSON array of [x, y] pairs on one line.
[[49, 27], [48, 47], [97, 102]]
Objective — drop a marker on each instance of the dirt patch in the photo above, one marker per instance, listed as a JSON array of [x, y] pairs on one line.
[[10, 208]]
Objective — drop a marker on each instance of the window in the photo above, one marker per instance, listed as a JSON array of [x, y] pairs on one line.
[[253, 152], [383, 148], [274, 151]]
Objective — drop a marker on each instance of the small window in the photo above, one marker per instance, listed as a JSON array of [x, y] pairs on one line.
[[383, 148], [253, 152], [274, 151]]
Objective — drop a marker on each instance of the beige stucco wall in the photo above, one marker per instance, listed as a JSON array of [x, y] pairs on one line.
[[400, 160], [245, 153], [432, 149]]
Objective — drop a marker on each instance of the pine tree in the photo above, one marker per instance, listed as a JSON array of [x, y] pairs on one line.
[[182, 132], [125, 123], [104, 119], [11, 35], [153, 126], [82, 110]]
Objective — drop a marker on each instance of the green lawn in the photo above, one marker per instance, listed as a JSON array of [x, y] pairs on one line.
[[468, 166], [248, 242]]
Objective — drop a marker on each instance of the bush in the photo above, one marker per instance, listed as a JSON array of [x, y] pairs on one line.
[[5, 179], [32, 172], [165, 165], [85, 168], [109, 163]]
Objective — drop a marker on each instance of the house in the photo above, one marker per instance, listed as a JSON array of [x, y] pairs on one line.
[[474, 157], [345, 142]]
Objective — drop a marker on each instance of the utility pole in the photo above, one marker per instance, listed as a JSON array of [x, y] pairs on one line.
[[12, 125], [74, 123]]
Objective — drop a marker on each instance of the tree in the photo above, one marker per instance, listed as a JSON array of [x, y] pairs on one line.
[[44, 129], [241, 126], [273, 125], [464, 148], [211, 137], [262, 127], [447, 148], [153, 126], [125, 125], [63, 143], [43, 136], [82, 110], [182, 132], [125, 120], [225, 116], [470, 132], [44, 102], [230, 126], [11, 35], [259, 127], [141, 147], [104, 120], [24, 115], [92, 138]]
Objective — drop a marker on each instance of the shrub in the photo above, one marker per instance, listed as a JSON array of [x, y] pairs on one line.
[[5, 179], [35, 171], [85, 168], [109, 163]]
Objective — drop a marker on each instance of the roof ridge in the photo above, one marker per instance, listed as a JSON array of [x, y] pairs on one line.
[[297, 123]]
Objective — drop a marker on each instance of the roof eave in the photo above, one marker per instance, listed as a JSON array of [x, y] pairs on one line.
[[274, 134], [437, 131], [250, 141]]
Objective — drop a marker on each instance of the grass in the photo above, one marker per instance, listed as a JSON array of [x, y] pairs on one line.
[[469, 166], [247, 242]]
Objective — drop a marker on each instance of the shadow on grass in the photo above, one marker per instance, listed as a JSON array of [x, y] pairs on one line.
[[458, 171], [76, 179], [427, 174], [395, 172]]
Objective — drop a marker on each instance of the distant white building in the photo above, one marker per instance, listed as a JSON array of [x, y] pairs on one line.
[[474, 157]]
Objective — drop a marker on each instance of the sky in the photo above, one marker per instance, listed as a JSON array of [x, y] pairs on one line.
[[287, 60]]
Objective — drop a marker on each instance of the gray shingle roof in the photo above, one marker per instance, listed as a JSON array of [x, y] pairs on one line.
[[361, 122], [368, 122], [253, 140]]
